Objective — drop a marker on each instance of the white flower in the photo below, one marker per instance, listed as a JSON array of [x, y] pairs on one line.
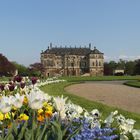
[[73, 111], [5, 104], [123, 137], [95, 112], [109, 120], [125, 125], [18, 100], [60, 104], [35, 99], [136, 134]]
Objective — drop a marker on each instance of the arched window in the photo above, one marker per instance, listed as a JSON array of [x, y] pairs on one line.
[[99, 63], [93, 63]]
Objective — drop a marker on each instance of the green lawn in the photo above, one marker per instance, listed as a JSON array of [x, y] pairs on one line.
[[4, 78], [58, 90], [133, 83], [100, 78]]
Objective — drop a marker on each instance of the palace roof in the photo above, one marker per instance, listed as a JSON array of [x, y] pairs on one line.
[[71, 51]]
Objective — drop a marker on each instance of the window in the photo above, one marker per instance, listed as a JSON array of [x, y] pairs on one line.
[[72, 64], [96, 63]]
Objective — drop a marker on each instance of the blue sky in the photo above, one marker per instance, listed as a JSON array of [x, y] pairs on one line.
[[28, 26]]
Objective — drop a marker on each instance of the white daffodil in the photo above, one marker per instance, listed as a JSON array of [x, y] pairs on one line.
[[136, 134], [60, 104], [35, 99], [18, 100], [5, 104]]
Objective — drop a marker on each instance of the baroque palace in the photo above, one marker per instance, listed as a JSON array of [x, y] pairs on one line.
[[69, 61]]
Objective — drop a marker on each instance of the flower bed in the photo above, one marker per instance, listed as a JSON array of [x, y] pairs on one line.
[[29, 113]]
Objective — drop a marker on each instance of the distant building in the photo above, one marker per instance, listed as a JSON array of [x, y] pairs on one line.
[[72, 61]]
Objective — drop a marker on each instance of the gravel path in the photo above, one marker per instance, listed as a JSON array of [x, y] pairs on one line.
[[112, 93]]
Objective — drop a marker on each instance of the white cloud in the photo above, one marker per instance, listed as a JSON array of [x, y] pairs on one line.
[[124, 57]]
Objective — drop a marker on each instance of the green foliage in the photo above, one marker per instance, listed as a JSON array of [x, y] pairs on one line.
[[49, 131], [25, 71], [130, 67], [22, 70]]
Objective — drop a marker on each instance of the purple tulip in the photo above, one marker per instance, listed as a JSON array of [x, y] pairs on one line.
[[11, 87], [18, 78], [34, 80], [22, 85]]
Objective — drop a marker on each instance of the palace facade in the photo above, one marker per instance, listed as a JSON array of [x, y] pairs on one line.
[[69, 61]]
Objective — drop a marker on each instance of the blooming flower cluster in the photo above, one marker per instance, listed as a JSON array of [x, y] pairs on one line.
[[22, 101]]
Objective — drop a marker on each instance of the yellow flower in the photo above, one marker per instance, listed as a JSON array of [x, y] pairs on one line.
[[14, 108], [40, 111], [40, 118], [45, 104], [48, 114], [23, 117], [25, 101], [7, 116], [1, 116], [49, 108]]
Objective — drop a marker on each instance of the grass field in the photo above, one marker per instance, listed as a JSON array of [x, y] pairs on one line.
[[4, 78], [100, 78], [58, 90], [133, 84]]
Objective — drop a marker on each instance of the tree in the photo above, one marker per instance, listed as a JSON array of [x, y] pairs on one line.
[[107, 69], [137, 67], [6, 67], [130, 67], [121, 64], [22, 70], [37, 69]]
